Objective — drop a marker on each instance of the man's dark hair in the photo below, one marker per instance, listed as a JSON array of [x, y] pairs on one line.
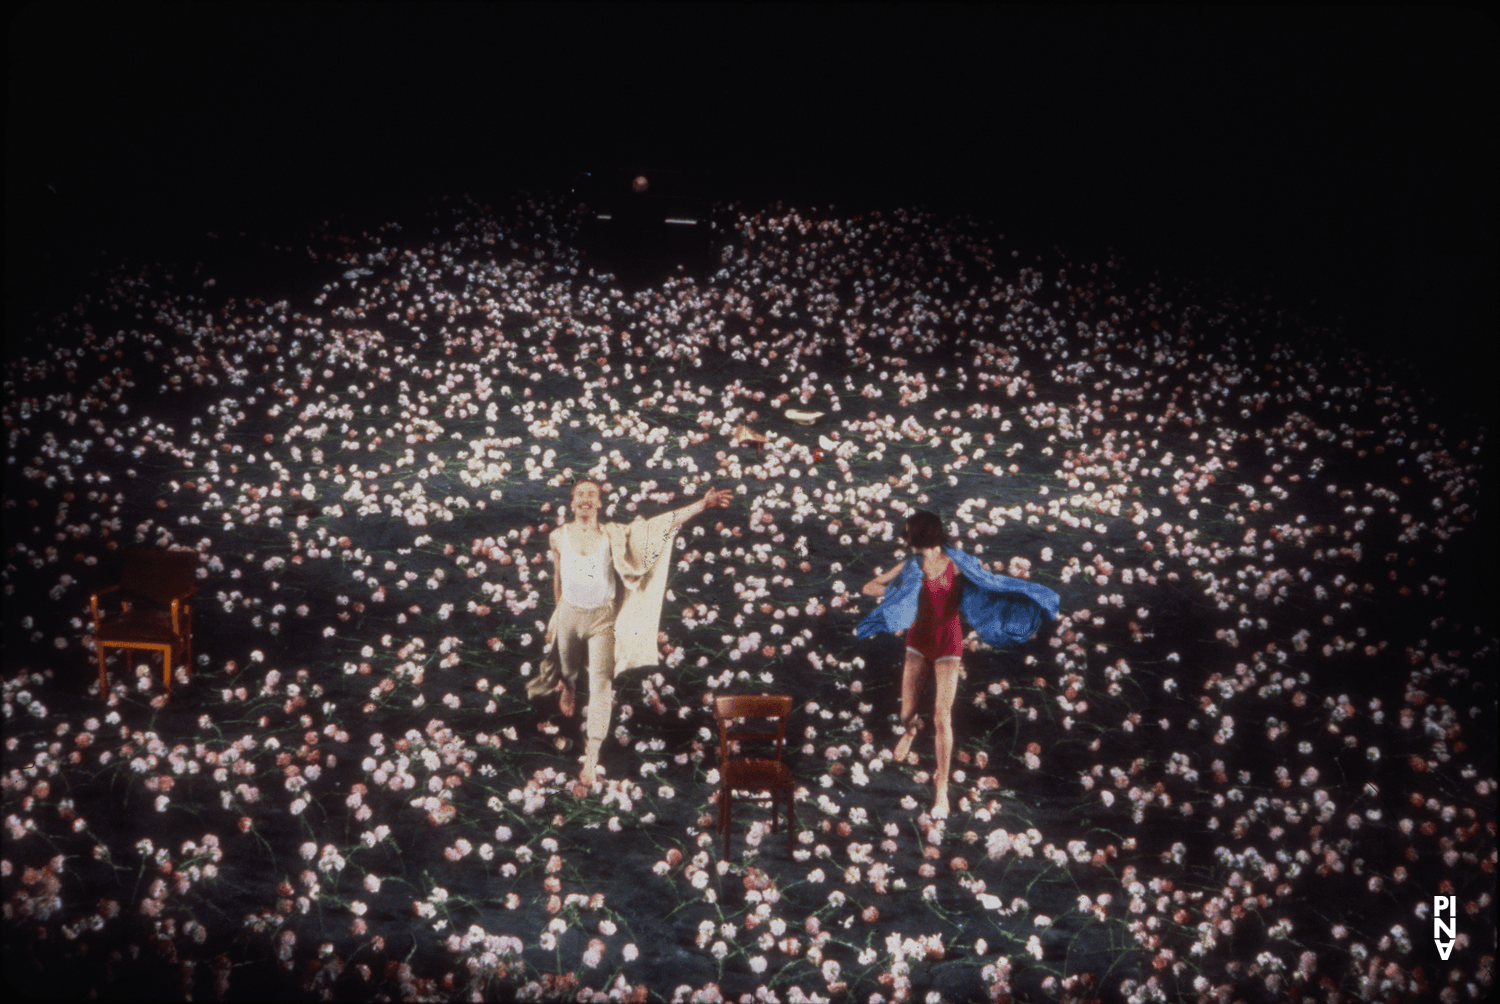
[[924, 529]]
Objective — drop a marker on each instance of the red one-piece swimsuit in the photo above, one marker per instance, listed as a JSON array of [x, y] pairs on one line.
[[936, 633]]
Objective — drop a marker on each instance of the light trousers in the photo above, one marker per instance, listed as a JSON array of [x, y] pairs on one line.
[[586, 637]]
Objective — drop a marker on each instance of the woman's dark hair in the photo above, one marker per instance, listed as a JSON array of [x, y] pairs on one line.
[[924, 529]]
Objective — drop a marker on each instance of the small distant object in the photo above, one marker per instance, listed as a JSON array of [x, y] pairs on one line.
[[803, 417], [640, 184], [744, 434]]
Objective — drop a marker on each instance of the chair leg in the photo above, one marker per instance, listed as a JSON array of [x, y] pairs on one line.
[[103, 683], [791, 822], [166, 659], [724, 816]]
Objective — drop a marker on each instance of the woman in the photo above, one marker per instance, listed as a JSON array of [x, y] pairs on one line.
[[924, 597], [607, 586]]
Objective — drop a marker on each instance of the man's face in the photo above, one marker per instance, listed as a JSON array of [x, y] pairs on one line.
[[586, 499]]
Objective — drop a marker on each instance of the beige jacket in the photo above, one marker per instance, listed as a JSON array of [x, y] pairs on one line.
[[641, 584]]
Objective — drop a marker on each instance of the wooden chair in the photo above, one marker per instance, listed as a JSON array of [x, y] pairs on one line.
[[769, 778], [155, 614]]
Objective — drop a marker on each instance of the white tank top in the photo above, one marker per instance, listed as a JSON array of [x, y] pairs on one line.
[[588, 581]]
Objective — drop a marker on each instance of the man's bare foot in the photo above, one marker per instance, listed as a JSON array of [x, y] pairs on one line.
[[586, 776], [903, 747], [569, 702], [940, 808]]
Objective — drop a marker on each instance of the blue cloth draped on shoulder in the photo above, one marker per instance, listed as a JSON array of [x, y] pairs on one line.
[[1004, 611]]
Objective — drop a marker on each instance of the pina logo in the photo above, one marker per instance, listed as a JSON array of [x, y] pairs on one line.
[[1441, 928]]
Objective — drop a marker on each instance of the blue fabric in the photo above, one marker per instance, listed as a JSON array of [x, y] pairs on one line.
[[1002, 610]]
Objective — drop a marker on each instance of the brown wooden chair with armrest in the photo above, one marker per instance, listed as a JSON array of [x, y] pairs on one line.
[[155, 615], [771, 779]]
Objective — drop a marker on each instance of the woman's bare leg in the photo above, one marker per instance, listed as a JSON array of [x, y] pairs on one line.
[[947, 672], [913, 675]]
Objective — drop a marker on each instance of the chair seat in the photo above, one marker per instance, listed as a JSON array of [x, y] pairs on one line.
[[153, 584], [751, 773], [137, 625]]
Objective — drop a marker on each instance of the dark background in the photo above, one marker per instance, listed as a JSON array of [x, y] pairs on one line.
[[1343, 155]]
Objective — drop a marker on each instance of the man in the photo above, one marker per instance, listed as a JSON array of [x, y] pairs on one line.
[[607, 585]]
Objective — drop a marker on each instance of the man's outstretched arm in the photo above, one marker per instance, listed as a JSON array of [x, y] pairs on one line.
[[714, 498]]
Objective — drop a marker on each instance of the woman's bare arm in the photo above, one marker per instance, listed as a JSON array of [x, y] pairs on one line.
[[876, 586]]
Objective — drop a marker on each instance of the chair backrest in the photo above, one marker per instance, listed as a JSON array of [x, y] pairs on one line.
[[159, 576], [729, 708]]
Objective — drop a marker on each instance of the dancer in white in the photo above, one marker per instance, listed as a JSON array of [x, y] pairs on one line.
[[608, 586]]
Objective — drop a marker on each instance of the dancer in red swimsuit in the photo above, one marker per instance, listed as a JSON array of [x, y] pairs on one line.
[[934, 640]]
